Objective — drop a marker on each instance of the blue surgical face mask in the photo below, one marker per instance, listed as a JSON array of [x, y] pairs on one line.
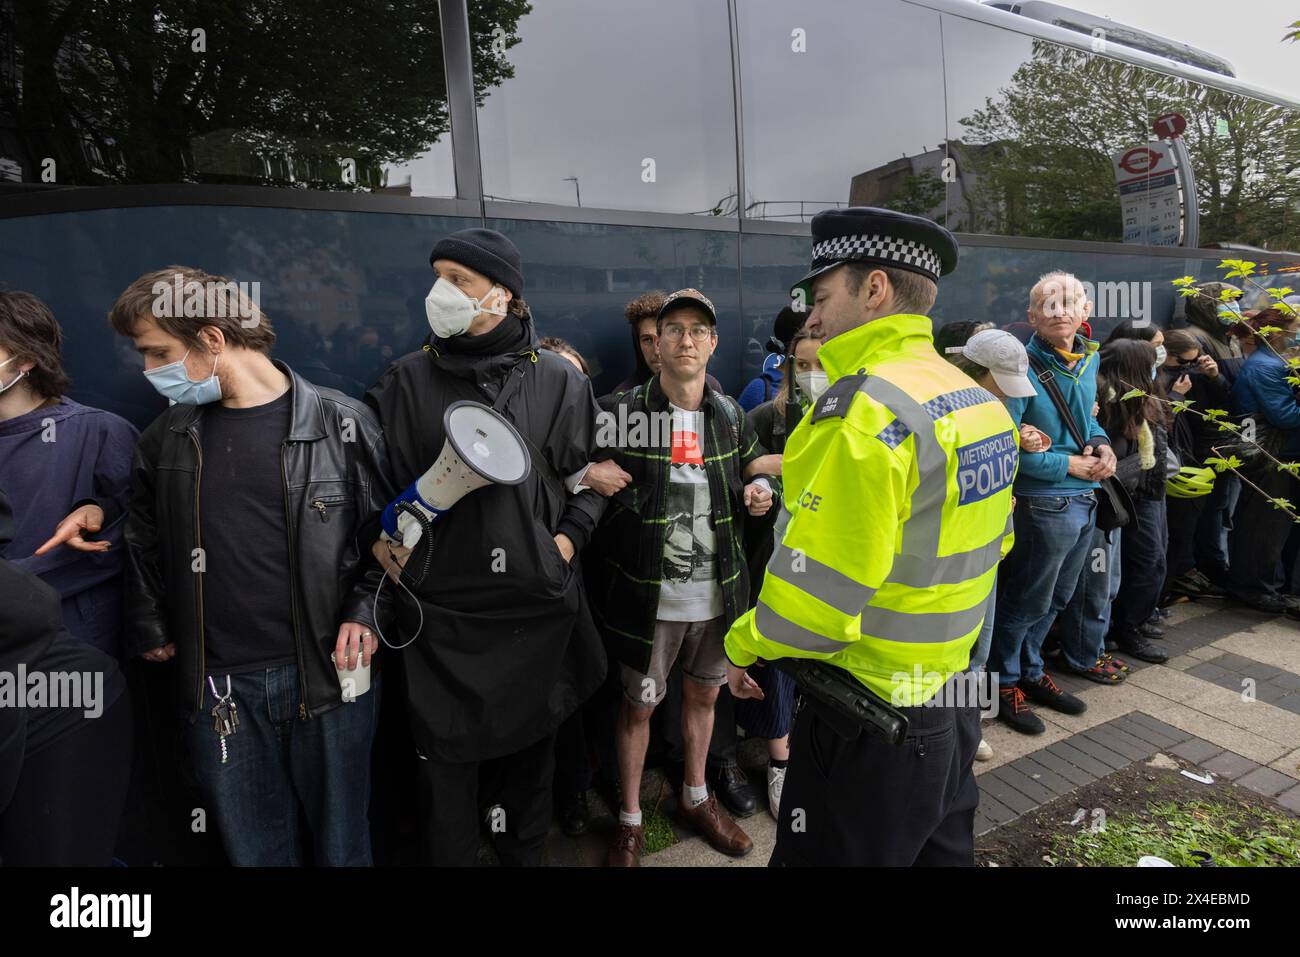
[[174, 383], [1229, 312], [1155, 367]]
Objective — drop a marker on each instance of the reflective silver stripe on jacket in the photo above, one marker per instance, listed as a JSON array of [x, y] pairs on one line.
[[917, 571], [776, 627], [921, 627], [821, 581]]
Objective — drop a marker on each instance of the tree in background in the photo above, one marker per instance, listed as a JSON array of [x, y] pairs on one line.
[[280, 92], [1040, 152]]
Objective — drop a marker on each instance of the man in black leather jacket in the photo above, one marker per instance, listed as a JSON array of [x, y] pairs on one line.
[[247, 563]]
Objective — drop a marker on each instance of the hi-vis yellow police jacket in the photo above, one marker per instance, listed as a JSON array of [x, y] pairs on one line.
[[898, 511]]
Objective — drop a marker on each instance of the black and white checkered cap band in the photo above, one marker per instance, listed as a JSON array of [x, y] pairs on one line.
[[877, 246]]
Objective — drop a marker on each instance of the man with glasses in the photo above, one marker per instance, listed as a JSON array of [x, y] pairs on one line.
[[677, 576]]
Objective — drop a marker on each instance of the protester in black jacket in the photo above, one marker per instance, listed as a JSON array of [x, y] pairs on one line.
[[503, 647], [1190, 374], [1139, 436], [245, 563]]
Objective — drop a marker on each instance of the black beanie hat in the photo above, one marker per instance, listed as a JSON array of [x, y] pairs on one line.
[[485, 251]]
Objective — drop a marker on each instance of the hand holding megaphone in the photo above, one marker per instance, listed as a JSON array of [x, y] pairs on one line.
[[481, 448]]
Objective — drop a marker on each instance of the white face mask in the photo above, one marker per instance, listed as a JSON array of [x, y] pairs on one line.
[[4, 386], [450, 311], [1161, 355], [813, 384]]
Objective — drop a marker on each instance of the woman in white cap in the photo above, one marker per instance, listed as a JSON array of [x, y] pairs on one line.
[[997, 361]]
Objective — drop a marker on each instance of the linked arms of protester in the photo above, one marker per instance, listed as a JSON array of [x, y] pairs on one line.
[[1095, 462]]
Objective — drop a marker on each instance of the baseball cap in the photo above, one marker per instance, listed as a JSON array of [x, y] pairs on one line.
[[692, 298], [1002, 354]]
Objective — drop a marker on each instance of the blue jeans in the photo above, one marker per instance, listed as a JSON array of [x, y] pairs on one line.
[[1086, 618], [1053, 533], [279, 767], [980, 653]]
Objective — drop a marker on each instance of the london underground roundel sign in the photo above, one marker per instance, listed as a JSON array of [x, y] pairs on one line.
[[1139, 160]]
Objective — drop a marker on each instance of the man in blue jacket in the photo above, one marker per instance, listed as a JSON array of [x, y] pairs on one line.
[[1056, 505]]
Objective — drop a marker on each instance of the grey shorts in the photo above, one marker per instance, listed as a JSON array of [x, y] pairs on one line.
[[696, 644]]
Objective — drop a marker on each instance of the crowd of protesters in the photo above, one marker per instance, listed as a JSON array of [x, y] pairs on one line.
[[563, 632]]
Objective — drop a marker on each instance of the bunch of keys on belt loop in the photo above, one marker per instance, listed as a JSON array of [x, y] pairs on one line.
[[225, 716]]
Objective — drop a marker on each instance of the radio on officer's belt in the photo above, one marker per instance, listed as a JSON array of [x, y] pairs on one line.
[[855, 706], [481, 448]]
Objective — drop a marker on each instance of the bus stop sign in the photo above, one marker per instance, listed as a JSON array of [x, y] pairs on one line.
[[1169, 125]]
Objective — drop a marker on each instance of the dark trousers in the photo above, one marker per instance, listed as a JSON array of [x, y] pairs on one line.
[[1259, 533], [453, 796], [865, 802], [1142, 565], [572, 761], [1183, 516], [282, 771], [68, 802], [1214, 530]]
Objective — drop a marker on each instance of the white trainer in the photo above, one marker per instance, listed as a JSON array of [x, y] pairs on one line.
[[775, 782], [983, 752]]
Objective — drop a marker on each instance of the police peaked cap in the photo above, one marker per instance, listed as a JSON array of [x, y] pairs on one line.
[[879, 237]]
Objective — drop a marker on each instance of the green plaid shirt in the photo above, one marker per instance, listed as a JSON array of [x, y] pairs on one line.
[[631, 536]]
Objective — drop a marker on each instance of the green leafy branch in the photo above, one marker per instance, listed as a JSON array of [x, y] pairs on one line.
[[1228, 462]]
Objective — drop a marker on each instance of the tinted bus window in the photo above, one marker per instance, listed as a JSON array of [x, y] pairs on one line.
[[344, 292], [320, 96], [843, 105], [1032, 127], [579, 276], [615, 105]]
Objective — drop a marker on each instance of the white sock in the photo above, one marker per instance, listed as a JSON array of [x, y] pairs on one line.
[[632, 818], [693, 796]]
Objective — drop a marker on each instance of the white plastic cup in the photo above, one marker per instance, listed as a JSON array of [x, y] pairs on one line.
[[354, 683]]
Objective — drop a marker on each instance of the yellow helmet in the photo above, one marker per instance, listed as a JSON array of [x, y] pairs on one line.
[[1189, 482]]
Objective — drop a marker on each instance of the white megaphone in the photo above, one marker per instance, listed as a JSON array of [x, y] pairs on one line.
[[481, 448]]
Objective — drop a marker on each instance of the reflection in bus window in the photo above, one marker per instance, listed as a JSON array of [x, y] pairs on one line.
[[827, 123], [277, 96], [1246, 156], [613, 105], [1032, 128]]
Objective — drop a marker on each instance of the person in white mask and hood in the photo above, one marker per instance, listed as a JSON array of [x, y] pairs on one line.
[[502, 646]]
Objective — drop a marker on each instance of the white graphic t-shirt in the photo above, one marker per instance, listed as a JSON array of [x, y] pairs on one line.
[[690, 589]]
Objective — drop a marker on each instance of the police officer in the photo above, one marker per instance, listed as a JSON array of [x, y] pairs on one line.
[[899, 486]]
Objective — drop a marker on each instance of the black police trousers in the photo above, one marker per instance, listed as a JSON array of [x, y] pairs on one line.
[[865, 802]]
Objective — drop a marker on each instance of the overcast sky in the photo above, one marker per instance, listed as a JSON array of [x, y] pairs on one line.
[[1247, 33]]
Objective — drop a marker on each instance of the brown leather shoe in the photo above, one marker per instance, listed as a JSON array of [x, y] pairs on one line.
[[719, 830], [626, 846]]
